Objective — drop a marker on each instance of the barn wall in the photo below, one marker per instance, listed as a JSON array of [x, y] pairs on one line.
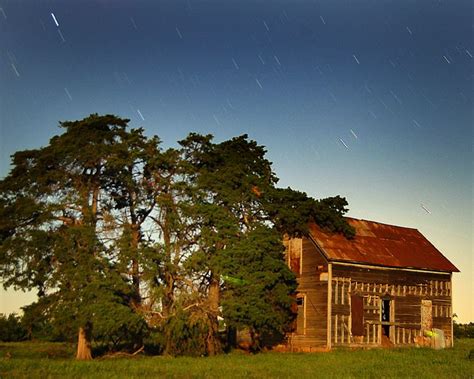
[[313, 285], [404, 290]]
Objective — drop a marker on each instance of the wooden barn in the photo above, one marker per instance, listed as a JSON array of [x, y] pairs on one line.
[[388, 286]]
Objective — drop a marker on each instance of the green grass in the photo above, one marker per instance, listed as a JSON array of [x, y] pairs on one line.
[[53, 360]]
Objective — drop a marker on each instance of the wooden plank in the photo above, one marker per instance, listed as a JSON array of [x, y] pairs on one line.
[[304, 310], [349, 322], [451, 309], [342, 329], [329, 302], [343, 292], [397, 269]]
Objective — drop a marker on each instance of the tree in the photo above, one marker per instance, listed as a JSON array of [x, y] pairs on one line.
[[243, 217], [260, 300], [113, 231], [55, 198], [132, 198]]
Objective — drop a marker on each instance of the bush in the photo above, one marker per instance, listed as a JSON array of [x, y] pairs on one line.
[[11, 329], [39, 323], [463, 330], [185, 334]]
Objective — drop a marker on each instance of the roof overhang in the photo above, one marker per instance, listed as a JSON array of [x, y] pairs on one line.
[[375, 267]]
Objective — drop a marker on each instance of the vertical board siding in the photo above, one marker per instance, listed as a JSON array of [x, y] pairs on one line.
[[316, 292], [406, 289]]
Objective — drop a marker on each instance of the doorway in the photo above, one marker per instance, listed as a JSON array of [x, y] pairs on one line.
[[385, 317]]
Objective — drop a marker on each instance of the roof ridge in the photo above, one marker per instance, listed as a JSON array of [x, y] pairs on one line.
[[380, 223]]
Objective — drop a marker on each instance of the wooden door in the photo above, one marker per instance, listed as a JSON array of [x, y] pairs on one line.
[[426, 314], [357, 315]]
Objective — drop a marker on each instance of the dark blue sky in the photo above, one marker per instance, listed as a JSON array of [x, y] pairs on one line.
[[368, 99]]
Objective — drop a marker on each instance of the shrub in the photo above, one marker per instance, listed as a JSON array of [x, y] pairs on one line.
[[11, 329]]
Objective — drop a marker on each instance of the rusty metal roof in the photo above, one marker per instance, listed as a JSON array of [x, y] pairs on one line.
[[382, 245]]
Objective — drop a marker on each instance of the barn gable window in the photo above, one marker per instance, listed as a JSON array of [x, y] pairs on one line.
[[294, 254]]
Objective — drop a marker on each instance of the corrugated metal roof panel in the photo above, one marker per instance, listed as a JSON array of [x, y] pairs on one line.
[[382, 244]]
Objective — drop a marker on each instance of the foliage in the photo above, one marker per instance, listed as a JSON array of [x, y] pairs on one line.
[[39, 322], [463, 330], [119, 236], [242, 218], [185, 331], [56, 198], [11, 328], [261, 300]]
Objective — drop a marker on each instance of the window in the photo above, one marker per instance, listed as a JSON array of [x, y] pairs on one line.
[[294, 254], [301, 316]]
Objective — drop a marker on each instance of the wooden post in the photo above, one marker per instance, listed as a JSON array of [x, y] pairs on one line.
[[342, 329], [451, 307], [342, 294], [329, 321], [349, 326], [392, 319], [304, 310]]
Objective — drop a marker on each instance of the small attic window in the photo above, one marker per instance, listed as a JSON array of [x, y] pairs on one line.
[[294, 254]]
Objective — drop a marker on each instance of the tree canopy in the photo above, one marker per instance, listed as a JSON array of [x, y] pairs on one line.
[[121, 237]]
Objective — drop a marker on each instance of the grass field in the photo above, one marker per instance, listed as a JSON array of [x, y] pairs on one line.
[[53, 360]]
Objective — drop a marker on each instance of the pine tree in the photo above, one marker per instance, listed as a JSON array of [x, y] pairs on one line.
[[55, 198], [243, 218]]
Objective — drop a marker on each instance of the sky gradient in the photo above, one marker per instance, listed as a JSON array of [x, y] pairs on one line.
[[371, 100]]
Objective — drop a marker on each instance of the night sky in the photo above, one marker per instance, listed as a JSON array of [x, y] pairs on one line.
[[371, 100]]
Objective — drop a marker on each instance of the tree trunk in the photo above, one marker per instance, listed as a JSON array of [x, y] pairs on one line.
[[137, 299], [213, 343], [84, 344]]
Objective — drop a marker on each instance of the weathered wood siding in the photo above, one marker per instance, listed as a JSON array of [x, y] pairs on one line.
[[405, 291], [313, 284]]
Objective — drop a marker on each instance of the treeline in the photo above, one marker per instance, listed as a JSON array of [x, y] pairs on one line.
[[463, 330], [127, 242]]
